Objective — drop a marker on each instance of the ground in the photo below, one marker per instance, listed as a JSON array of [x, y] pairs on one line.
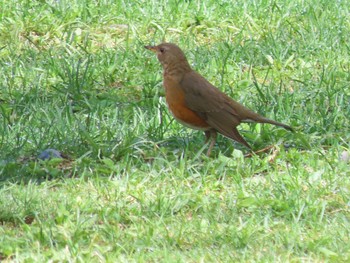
[[134, 184]]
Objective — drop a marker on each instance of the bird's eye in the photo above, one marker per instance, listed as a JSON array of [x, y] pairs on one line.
[[162, 50]]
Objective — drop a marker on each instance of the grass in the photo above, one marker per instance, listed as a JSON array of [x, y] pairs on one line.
[[137, 185]]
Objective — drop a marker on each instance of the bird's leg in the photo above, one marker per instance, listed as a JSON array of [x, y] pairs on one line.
[[207, 136], [210, 134]]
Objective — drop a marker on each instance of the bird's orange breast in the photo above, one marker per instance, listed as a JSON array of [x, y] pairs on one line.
[[175, 98]]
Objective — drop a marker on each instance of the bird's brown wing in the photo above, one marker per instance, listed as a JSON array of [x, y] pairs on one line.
[[201, 95], [212, 105]]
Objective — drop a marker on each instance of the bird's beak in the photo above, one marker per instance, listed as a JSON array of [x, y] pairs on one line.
[[152, 48]]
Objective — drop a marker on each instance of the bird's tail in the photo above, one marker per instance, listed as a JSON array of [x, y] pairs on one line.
[[266, 120]]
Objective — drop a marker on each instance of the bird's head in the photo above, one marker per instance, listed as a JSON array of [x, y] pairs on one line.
[[169, 54]]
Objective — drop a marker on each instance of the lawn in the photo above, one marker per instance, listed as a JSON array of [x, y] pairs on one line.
[[136, 186]]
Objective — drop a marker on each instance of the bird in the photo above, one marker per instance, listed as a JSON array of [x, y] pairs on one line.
[[196, 103]]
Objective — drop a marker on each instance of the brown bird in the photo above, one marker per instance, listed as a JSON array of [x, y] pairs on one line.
[[197, 104]]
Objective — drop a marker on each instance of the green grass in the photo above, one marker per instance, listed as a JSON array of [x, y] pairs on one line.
[[137, 186]]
